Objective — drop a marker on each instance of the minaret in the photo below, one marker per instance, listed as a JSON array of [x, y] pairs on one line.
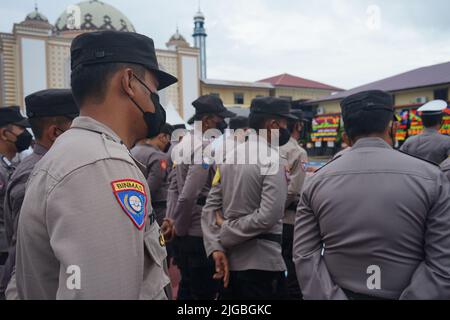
[[200, 40]]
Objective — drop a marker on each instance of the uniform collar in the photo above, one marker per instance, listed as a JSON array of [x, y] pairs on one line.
[[5, 162], [371, 143], [40, 150], [88, 123], [430, 131]]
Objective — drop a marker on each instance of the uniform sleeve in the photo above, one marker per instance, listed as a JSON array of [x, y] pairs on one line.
[[263, 219], [156, 173], [211, 231], [312, 273], [92, 237], [3, 182], [172, 194], [431, 280], [196, 179], [297, 175], [13, 203], [405, 147]]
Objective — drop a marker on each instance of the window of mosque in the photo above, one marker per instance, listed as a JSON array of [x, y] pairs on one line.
[[217, 95], [441, 94], [239, 98]]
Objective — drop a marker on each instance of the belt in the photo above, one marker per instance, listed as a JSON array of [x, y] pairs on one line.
[[360, 296], [293, 206], [201, 201], [159, 204], [3, 258], [152, 218], [278, 238]]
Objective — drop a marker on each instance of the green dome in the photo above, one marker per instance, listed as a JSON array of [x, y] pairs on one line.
[[36, 16], [94, 15]]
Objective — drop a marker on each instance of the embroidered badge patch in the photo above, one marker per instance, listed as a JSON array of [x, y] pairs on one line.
[[133, 200], [163, 164]]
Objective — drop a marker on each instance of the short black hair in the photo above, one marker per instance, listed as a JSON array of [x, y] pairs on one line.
[[92, 81], [257, 121], [361, 123], [38, 125], [432, 120]]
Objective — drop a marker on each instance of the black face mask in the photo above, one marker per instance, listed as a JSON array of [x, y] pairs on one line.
[[167, 148], [154, 121], [285, 136], [23, 141], [221, 126]]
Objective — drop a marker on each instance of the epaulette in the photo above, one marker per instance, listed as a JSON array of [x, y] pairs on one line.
[[417, 157], [331, 161]]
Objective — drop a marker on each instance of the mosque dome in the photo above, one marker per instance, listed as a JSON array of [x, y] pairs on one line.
[[36, 19], [199, 16], [177, 40], [93, 15]]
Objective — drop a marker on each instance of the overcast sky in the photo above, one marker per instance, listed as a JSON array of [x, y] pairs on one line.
[[345, 43]]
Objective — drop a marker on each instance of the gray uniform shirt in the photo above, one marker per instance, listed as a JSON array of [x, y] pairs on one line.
[[296, 160], [6, 169], [446, 167], [374, 207], [79, 233], [189, 187], [253, 205], [15, 192], [157, 172], [431, 145]]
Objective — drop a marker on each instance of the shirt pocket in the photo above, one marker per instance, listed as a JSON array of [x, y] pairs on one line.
[[154, 246]]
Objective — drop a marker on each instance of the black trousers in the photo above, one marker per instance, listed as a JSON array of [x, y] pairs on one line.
[[293, 286], [196, 269], [255, 285]]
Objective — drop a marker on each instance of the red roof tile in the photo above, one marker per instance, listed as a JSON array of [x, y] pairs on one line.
[[287, 80]]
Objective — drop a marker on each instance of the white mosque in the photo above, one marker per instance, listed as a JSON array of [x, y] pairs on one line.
[[36, 55]]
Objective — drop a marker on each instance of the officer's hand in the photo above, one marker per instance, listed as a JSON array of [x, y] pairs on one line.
[[168, 230], [219, 218], [222, 268]]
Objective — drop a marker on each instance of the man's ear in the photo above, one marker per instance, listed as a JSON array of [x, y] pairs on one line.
[[126, 76], [4, 134]]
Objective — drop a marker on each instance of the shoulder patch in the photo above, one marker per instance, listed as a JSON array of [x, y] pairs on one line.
[[163, 165], [414, 156], [132, 198]]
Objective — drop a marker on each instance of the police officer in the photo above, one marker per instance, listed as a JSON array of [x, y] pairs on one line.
[[431, 145], [374, 223], [446, 167], [242, 219], [296, 161], [50, 113], [14, 138], [86, 228], [190, 185], [153, 154]]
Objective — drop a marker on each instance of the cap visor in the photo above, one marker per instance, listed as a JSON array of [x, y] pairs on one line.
[[165, 79], [23, 123], [227, 114], [191, 120], [290, 116]]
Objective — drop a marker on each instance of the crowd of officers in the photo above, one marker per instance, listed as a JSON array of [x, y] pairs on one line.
[[101, 210]]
